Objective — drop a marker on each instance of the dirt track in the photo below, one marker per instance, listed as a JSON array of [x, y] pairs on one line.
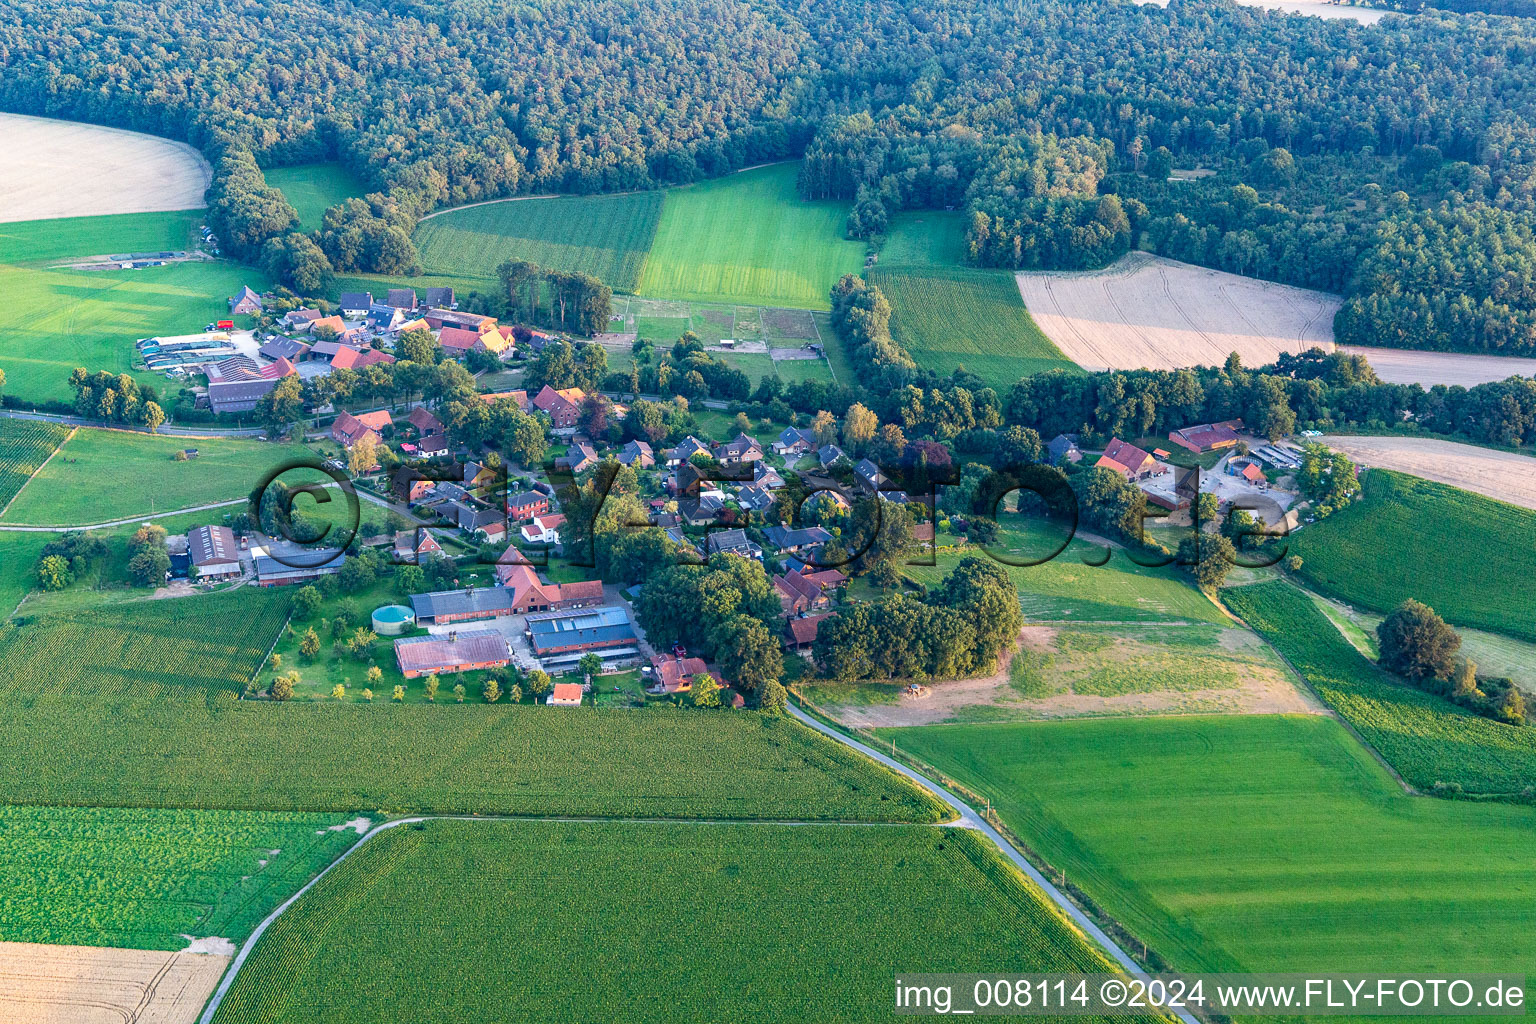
[[1501, 475], [54, 169], [87, 985], [1145, 311]]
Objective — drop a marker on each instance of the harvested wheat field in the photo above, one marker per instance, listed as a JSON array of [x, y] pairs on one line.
[[88, 985], [54, 169], [1148, 312], [1504, 476]]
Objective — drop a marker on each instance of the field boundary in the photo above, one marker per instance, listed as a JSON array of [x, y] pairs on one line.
[[56, 449]]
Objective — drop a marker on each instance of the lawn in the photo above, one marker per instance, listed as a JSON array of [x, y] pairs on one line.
[[1427, 739], [18, 563], [953, 317], [101, 475], [748, 238], [144, 878], [56, 320], [115, 234], [1470, 558], [312, 189], [449, 920], [1256, 843], [24, 446], [605, 236], [1067, 589], [134, 704]]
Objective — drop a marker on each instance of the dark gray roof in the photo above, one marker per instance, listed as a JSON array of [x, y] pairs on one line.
[[592, 626], [730, 540], [780, 537], [238, 395], [356, 300], [306, 562], [829, 453], [212, 545], [283, 348], [478, 600]]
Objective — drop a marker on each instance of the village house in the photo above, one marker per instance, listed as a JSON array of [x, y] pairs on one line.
[[438, 318], [434, 446], [869, 476], [543, 529], [347, 358], [1063, 448], [754, 498], [1129, 461], [214, 553], [424, 422], [401, 298], [355, 304], [563, 406], [531, 594], [686, 449], [740, 450], [676, 673], [283, 348], [301, 317], [520, 397], [798, 593], [411, 546], [578, 458], [526, 505], [457, 341], [637, 454], [828, 454], [348, 429], [457, 651], [245, 302], [438, 298], [800, 632], [564, 695], [793, 442], [766, 477], [733, 542], [332, 322]]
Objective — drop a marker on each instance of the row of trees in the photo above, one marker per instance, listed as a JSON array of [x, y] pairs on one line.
[[116, 398], [576, 302]]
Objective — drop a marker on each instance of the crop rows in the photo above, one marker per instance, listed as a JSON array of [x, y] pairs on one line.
[[605, 236], [580, 919], [1428, 740], [951, 317], [135, 705], [1470, 558], [24, 446], [143, 878]]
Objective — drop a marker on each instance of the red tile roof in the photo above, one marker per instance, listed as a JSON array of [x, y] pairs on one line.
[[458, 339], [803, 630]]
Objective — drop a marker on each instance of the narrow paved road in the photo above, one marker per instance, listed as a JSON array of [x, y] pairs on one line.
[[970, 819]]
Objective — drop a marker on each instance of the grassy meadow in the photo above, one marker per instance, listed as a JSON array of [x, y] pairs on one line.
[[1256, 843], [925, 238], [406, 924], [953, 317], [144, 878], [135, 704], [100, 475], [66, 237], [605, 236], [1470, 558], [1426, 738], [56, 320], [311, 189], [1066, 588], [748, 238]]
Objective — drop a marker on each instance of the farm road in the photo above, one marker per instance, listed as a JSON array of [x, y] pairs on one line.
[[970, 819], [364, 495]]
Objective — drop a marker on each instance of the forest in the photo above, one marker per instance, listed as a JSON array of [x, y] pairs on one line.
[[1366, 159]]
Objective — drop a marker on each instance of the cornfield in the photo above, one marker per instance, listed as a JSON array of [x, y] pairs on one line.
[[1428, 740], [24, 446]]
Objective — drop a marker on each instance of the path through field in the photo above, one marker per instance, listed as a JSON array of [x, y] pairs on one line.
[[88, 985], [43, 174], [1148, 312], [1504, 476]]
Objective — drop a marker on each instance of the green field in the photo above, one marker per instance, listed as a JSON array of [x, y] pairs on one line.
[[953, 317], [1067, 589], [101, 475], [134, 704], [1256, 843], [605, 236], [56, 320], [312, 189], [677, 922], [24, 446], [925, 238], [18, 561], [748, 238], [115, 234], [1470, 558], [1427, 739], [145, 878]]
